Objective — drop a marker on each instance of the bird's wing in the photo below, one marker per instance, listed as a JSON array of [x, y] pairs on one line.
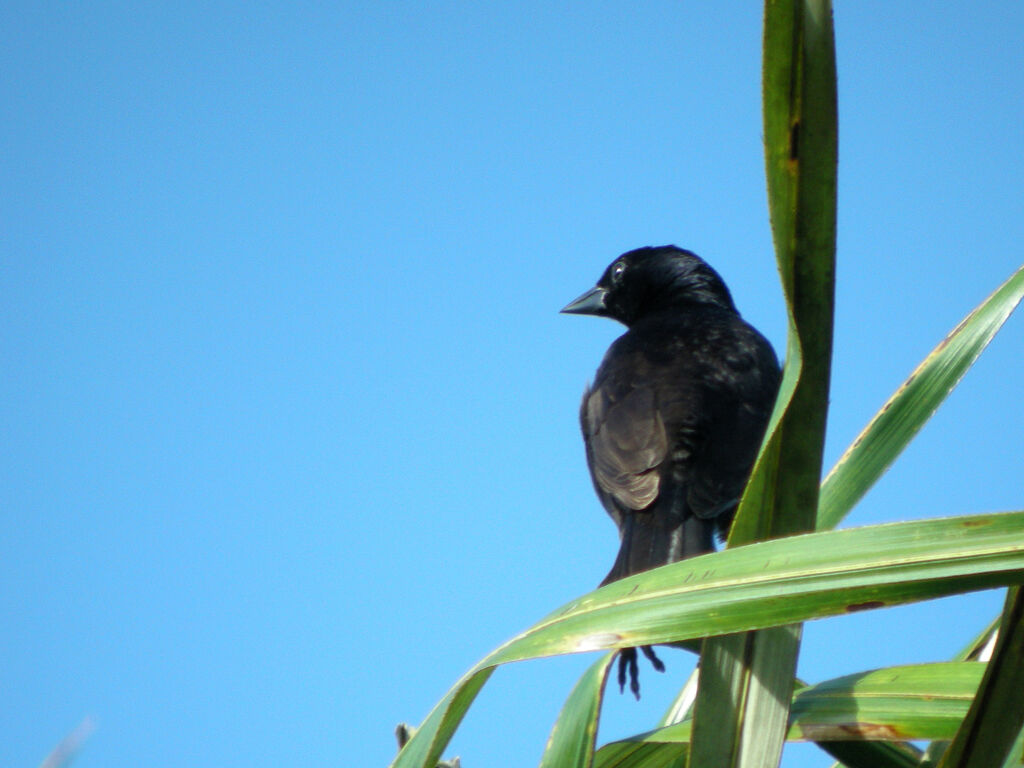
[[737, 410], [626, 443]]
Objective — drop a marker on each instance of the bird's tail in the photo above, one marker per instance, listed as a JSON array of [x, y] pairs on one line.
[[650, 539]]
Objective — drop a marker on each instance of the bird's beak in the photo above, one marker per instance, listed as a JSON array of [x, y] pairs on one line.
[[590, 303]]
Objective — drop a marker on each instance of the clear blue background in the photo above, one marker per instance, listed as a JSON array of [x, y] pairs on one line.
[[288, 414]]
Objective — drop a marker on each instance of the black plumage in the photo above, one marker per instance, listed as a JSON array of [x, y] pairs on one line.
[[677, 410]]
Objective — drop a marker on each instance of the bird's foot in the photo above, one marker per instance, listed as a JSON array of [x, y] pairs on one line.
[[628, 664]]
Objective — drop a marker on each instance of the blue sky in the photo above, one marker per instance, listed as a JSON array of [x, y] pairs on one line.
[[288, 412]]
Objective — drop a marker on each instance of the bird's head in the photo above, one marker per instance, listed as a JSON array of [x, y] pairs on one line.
[[650, 280]]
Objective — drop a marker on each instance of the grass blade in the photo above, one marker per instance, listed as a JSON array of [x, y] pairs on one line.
[[872, 754], [428, 742], [626, 754], [1016, 757], [767, 584], [746, 682], [895, 425], [571, 744], [997, 715], [922, 701], [782, 581]]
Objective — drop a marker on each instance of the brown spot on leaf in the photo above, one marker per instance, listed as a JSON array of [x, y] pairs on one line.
[[867, 605], [853, 732]]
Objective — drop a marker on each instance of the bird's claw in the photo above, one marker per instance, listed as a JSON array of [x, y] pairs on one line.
[[657, 663], [628, 664]]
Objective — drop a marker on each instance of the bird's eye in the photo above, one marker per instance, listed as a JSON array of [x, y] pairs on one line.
[[618, 270]]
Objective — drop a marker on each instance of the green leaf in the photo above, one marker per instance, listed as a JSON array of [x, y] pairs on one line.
[[922, 701], [1016, 757], [854, 754], [770, 583], [750, 680], [913, 404], [746, 682], [850, 715], [682, 706], [571, 744], [430, 739], [872, 754], [625, 754], [977, 649], [997, 715], [782, 581], [800, 129]]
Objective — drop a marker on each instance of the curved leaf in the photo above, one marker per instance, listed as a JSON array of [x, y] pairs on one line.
[[638, 754], [921, 701], [903, 415], [782, 581], [571, 744], [770, 583], [997, 715], [430, 739]]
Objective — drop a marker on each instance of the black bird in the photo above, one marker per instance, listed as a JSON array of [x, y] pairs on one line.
[[677, 411]]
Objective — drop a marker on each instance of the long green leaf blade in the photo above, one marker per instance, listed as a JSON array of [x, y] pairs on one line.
[[978, 649], [872, 754], [895, 425], [997, 715], [771, 583], [427, 744], [571, 744], [923, 701], [625, 754], [1016, 757], [746, 682], [742, 677], [782, 581]]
